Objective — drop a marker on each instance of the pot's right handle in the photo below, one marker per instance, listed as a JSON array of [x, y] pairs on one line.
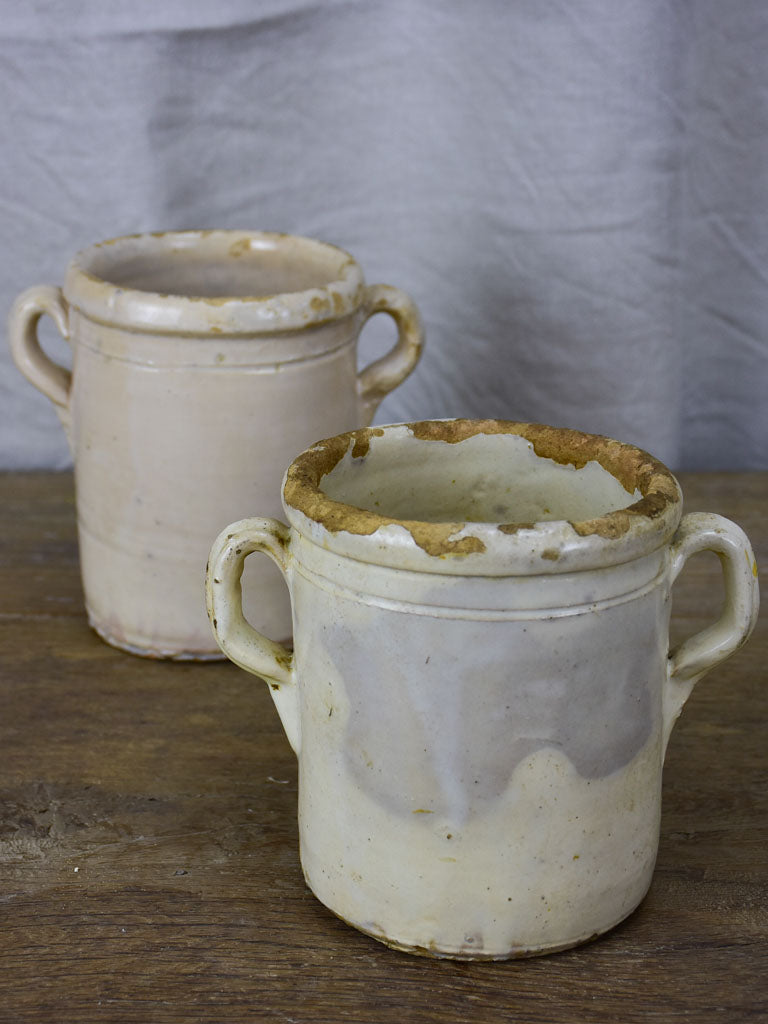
[[238, 639], [53, 380], [704, 531], [383, 376]]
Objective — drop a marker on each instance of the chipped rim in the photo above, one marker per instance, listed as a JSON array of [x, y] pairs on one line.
[[88, 288], [483, 548]]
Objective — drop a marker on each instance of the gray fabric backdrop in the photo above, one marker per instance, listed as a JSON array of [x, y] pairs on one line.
[[575, 192]]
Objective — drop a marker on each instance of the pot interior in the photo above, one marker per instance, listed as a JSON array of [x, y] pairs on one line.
[[486, 478], [217, 264]]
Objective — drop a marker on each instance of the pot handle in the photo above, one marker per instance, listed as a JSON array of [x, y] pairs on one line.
[[687, 663], [53, 380], [384, 375], [237, 638]]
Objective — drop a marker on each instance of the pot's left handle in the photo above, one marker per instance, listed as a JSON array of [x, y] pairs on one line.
[[705, 531], [238, 639], [53, 380]]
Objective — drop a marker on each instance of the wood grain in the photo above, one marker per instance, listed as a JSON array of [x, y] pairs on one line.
[[149, 854]]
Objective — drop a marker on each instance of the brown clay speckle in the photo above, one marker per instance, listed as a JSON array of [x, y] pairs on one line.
[[514, 527], [453, 431], [552, 554], [284, 659], [240, 247], [320, 303], [363, 441], [434, 538], [283, 540]]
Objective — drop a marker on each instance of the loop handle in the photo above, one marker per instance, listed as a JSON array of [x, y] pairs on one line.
[[53, 380], [237, 638], [704, 531], [384, 375]]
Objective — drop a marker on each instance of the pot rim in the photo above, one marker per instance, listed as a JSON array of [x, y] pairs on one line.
[[87, 286], [488, 548]]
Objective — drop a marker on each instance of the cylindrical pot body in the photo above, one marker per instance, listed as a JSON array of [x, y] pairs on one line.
[[481, 691], [202, 363]]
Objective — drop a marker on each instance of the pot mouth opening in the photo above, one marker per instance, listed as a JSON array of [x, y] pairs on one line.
[[457, 486], [173, 278]]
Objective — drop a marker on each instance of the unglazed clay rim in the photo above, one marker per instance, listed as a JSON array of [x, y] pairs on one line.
[[489, 548], [133, 308]]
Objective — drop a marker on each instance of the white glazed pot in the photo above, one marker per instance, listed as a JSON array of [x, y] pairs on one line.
[[202, 362], [481, 692]]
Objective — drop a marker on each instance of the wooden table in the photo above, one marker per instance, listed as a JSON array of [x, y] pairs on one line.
[[148, 847]]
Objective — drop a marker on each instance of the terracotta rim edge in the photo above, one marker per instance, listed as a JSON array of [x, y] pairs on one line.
[[639, 528]]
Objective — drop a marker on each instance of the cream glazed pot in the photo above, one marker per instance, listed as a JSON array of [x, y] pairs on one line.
[[203, 361], [481, 692]]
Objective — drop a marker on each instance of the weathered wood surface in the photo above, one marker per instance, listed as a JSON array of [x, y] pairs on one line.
[[148, 847]]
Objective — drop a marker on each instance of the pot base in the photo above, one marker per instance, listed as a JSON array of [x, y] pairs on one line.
[[160, 653], [149, 651], [433, 951]]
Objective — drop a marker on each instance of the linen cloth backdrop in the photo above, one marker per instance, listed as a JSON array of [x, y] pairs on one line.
[[574, 192]]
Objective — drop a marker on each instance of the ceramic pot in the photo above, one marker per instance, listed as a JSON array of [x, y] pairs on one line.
[[481, 692], [202, 362]]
